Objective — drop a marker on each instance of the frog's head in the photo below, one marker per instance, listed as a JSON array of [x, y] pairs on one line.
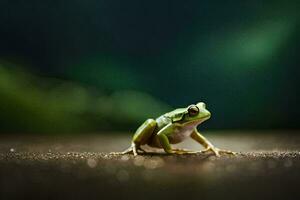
[[195, 113]]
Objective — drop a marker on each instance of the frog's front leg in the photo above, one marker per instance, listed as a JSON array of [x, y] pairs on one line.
[[164, 141], [141, 136], [207, 145]]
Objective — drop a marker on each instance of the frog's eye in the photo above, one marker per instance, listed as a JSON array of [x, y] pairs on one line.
[[193, 110]]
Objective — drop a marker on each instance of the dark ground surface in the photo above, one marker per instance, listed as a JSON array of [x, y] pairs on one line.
[[80, 167]]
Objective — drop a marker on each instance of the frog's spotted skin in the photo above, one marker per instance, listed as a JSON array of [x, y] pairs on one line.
[[171, 128]]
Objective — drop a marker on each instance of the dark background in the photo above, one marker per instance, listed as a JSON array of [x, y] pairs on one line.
[[85, 66]]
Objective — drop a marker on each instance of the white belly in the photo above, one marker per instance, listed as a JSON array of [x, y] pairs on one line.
[[180, 134]]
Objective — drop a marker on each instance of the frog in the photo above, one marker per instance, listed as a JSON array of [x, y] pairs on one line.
[[172, 128]]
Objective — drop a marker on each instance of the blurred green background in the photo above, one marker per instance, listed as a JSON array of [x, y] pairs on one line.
[[91, 66]]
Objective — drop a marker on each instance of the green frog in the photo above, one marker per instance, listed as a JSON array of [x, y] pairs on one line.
[[172, 128]]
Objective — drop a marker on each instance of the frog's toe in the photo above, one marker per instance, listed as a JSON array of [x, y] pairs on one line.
[[132, 149], [177, 152], [227, 152], [134, 152], [116, 153], [218, 151], [127, 151], [183, 151], [212, 149]]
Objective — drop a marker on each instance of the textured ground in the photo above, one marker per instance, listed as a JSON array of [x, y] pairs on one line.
[[80, 167]]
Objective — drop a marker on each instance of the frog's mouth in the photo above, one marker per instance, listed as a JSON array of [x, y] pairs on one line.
[[208, 116], [196, 122]]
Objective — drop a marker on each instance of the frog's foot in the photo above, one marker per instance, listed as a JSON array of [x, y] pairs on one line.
[[127, 151], [182, 151], [133, 149], [218, 151]]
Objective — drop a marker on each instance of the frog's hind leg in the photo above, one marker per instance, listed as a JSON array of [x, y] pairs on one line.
[[141, 136]]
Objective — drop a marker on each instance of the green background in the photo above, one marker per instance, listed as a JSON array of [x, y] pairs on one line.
[[84, 66]]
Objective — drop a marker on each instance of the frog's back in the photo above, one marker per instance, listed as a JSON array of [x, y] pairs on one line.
[[161, 122], [166, 119]]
